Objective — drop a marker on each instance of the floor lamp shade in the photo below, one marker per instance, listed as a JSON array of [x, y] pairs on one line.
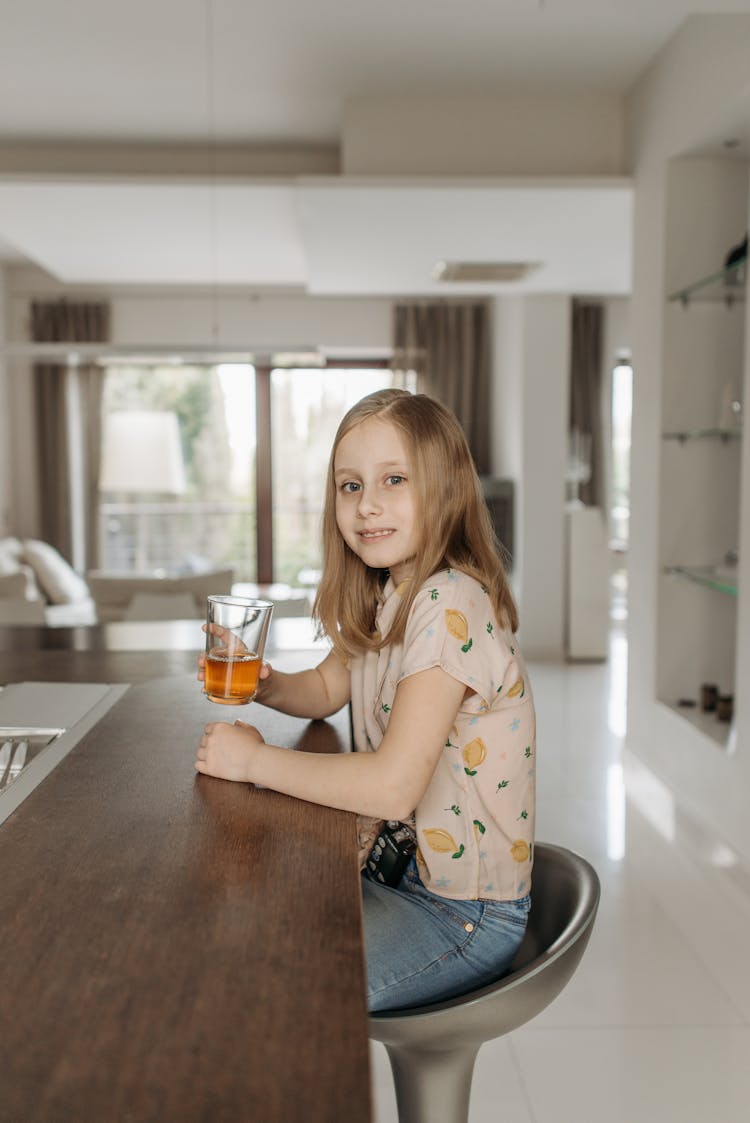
[[141, 452]]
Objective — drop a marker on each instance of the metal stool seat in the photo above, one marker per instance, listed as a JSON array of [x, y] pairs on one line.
[[432, 1049]]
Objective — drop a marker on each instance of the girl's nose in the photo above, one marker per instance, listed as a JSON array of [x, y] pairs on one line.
[[368, 502]]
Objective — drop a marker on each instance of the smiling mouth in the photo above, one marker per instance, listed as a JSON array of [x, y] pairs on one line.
[[373, 535]]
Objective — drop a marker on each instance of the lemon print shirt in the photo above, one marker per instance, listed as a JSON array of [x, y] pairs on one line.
[[475, 822]]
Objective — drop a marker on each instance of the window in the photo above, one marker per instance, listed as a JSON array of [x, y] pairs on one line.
[[255, 446], [306, 408], [619, 500], [622, 408], [211, 520]]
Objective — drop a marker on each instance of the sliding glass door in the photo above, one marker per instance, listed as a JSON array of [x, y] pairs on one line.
[[254, 445], [153, 519]]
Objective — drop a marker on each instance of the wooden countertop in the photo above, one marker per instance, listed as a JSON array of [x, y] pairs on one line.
[[174, 947]]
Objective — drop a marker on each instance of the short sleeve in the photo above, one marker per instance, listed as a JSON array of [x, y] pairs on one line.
[[452, 625]]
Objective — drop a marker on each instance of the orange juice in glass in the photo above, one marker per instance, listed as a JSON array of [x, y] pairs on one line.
[[236, 633]]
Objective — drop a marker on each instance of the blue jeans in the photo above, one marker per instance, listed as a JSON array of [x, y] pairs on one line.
[[422, 948]]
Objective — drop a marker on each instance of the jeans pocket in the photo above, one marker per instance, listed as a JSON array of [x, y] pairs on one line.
[[510, 912]]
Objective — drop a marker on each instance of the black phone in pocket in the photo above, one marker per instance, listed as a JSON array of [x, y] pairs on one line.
[[390, 853]]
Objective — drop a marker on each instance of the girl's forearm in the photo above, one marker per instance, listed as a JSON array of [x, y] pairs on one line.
[[350, 781], [386, 784]]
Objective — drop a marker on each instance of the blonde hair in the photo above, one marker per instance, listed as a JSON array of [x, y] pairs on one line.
[[454, 529]]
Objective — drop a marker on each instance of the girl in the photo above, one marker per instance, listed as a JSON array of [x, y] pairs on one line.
[[421, 619]]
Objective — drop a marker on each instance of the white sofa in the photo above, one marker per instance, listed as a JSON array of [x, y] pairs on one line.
[[38, 586]]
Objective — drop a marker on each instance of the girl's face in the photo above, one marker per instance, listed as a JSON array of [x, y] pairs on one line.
[[375, 500]]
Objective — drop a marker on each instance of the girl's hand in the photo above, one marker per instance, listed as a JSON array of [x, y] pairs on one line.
[[265, 673], [216, 630], [227, 751]]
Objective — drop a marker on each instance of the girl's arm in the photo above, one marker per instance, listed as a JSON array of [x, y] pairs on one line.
[[314, 693], [387, 784]]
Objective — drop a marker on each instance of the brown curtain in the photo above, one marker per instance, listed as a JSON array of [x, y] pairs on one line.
[[61, 321], [586, 390], [52, 456], [447, 345], [91, 385]]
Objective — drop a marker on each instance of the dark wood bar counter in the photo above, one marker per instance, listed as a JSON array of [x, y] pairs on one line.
[[175, 948]]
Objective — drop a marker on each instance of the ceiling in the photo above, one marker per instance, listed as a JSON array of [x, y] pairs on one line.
[[245, 73], [325, 236]]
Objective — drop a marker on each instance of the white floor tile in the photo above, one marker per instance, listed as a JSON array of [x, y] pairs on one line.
[[498, 1094], [718, 936], [675, 1075], [639, 971]]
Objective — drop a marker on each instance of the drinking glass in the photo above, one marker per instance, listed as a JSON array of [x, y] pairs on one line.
[[235, 640]]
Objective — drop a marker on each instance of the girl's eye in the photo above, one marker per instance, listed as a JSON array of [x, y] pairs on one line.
[[349, 487], [396, 479]]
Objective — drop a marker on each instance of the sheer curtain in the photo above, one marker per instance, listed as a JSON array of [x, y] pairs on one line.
[[586, 392], [67, 410], [447, 344]]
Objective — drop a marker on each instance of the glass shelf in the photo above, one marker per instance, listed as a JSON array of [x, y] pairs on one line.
[[701, 434], [721, 579], [726, 286]]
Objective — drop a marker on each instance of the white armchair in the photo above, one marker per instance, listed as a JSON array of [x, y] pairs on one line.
[[122, 596]]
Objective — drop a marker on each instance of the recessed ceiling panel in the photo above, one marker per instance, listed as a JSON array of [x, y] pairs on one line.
[[387, 239], [156, 233], [331, 236]]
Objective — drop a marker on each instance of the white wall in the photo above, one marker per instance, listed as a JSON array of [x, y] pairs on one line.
[[266, 322], [228, 318], [532, 356], [507, 409], [508, 363], [695, 94], [5, 422], [484, 135], [617, 330], [616, 343]]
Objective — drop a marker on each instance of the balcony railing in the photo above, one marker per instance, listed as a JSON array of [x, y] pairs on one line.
[[177, 537]]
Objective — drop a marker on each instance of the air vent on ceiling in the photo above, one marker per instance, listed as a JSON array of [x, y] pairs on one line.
[[476, 271]]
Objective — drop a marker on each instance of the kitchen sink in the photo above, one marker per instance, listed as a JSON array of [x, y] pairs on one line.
[[40, 722]]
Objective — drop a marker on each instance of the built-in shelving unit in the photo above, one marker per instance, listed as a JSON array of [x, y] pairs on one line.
[[699, 476]]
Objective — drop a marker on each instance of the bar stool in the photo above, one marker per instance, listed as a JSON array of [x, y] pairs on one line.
[[432, 1049]]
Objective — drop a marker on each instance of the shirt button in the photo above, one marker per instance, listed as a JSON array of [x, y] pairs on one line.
[[469, 927]]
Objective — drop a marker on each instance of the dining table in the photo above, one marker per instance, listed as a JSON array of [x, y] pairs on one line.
[[176, 948]]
